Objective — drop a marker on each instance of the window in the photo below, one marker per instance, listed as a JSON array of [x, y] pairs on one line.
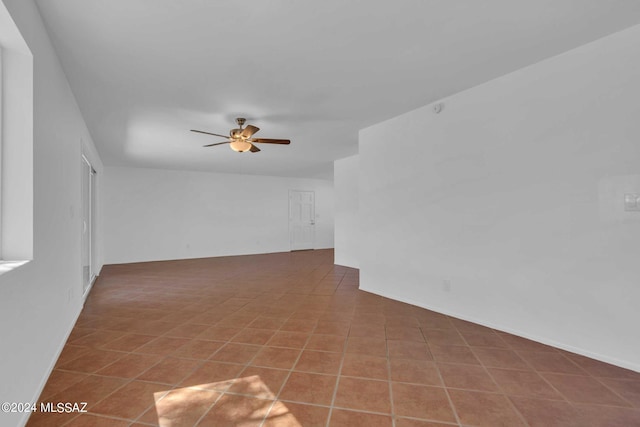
[[16, 145]]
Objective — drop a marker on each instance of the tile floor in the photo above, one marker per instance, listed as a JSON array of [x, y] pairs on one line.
[[289, 340]]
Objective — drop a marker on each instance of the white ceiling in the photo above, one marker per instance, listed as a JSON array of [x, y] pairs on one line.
[[146, 71]]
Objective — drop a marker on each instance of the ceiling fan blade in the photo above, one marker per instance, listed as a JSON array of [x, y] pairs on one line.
[[270, 141], [254, 149], [217, 143], [209, 133], [249, 130]]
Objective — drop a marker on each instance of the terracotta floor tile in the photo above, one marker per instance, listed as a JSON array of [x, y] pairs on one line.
[[97, 338], [276, 357], [466, 326], [186, 330], [484, 409], [607, 416], [601, 369], [406, 422], [367, 330], [404, 333], [264, 322], [235, 410], [91, 420], [628, 389], [288, 339], [326, 343], [519, 343], [433, 320], [130, 401], [367, 346], [409, 350], [198, 349], [259, 382], [170, 370], [421, 372], [128, 342], [583, 389], [500, 358], [402, 321], [547, 413], [218, 333], [371, 318], [182, 407], [151, 327], [320, 362], [422, 402], [162, 345], [92, 361], [50, 419], [453, 354], [236, 321], [304, 387], [236, 353], [326, 327], [59, 381], [213, 376], [484, 339], [253, 336], [467, 377], [343, 418], [129, 366], [299, 325], [523, 383], [70, 352], [296, 415], [360, 365], [442, 337], [365, 395], [91, 390], [550, 362], [179, 317]]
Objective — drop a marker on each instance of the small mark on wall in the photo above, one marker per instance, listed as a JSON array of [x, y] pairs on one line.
[[632, 202]]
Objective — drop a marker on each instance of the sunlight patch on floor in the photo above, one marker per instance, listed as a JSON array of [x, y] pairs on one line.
[[243, 402]]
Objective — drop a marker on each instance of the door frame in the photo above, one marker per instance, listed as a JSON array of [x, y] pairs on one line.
[[90, 226]]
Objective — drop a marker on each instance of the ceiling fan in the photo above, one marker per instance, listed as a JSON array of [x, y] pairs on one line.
[[241, 140]]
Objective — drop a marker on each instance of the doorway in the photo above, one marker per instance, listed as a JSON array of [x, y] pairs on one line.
[[88, 225], [302, 219]]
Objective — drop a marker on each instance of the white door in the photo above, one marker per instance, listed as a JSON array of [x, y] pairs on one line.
[[302, 219]]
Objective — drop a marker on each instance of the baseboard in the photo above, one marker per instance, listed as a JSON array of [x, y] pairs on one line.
[[86, 294], [583, 352]]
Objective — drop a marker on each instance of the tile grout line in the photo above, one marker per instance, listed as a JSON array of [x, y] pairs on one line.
[[499, 387], [290, 371], [444, 385], [335, 390], [389, 379]]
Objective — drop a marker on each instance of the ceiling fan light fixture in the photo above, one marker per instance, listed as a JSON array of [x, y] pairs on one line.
[[240, 145], [241, 139]]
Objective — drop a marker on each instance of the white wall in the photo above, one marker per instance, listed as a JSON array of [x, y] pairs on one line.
[[347, 223], [514, 194], [40, 301], [155, 214]]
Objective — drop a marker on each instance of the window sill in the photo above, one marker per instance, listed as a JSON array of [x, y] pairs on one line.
[[7, 266]]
